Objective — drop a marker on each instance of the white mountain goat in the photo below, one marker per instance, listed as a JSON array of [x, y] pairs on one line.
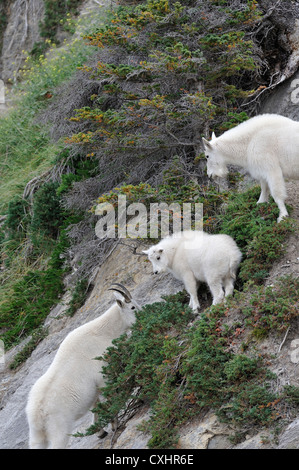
[[193, 256], [267, 146], [71, 385]]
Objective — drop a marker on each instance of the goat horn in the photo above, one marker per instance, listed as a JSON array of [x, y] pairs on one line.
[[135, 252], [125, 292], [123, 288]]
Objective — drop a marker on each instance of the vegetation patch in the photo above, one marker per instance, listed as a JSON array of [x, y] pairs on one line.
[[79, 295], [58, 14], [37, 336], [272, 308], [254, 228], [187, 75], [41, 240]]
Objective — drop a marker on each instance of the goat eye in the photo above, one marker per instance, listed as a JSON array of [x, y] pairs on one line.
[[158, 257], [133, 308], [207, 156]]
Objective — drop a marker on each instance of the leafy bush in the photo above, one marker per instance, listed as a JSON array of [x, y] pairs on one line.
[[37, 336], [56, 13], [254, 404], [273, 308], [18, 218], [30, 297], [254, 228], [29, 303], [79, 295], [240, 368], [181, 81], [47, 213]]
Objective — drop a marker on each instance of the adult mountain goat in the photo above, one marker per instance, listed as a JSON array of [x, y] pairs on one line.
[[267, 146], [71, 385], [193, 256]]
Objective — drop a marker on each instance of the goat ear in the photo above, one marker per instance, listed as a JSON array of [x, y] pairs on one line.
[[214, 135], [119, 303], [206, 144], [146, 252]]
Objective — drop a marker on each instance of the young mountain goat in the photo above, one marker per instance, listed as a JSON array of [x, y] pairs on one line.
[[71, 385], [193, 256], [267, 146]]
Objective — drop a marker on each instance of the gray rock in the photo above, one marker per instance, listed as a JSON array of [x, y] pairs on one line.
[[284, 99], [290, 437], [21, 33]]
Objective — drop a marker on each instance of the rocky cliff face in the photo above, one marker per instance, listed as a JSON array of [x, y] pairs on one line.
[[20, 34]]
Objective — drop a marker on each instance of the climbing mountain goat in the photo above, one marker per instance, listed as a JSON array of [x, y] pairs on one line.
[[193, 256], [267, 146], [71, 385]]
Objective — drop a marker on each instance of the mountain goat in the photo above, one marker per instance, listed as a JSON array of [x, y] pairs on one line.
[[267, 146], [71, 385], [193, 256]]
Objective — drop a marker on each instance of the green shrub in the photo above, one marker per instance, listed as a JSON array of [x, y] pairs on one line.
[[18, 218], [166, 113], [291, 394], [30, 302], [56, 12], [79, 295], [31, 296], [47, 212], [239, 368], [254, 228], [273, 308], [37, 336], [253, 405]]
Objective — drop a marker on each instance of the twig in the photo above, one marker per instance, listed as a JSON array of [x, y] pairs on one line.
[[186, 144], [284, 339], [269, 13], [133, 248], [112, 440], [272, 85]]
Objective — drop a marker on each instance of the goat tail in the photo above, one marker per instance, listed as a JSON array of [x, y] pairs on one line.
[[233, 266]]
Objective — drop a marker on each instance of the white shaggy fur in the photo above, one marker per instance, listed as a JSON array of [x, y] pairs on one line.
[[267, 146], [71, 385], [193, 256]]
